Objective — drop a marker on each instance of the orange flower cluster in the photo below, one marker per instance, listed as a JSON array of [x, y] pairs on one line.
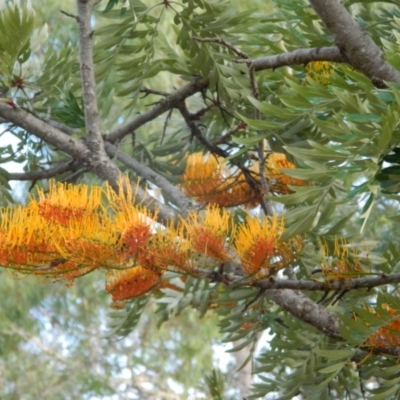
[[132, 282], [389, 335], [260, 249], [208, 179], [73, 230]]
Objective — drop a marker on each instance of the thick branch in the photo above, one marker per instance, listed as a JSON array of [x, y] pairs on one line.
[[164, 105], [354, 43], [53, 136], [364, 282], [92, 120], [302, 307], [300, 56], [148, 174]]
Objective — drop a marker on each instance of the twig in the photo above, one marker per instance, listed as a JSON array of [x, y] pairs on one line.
[[241, 125], [273, 283], [265, 202], [53, 136], [165, 125], [147, 91], [69, 14], [223, 42], [166, 104], [196, 132]]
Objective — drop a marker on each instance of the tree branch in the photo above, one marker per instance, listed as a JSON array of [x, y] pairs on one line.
[[164, 105], [303, 308], [93, 131], [364, 282], [53, 136], [45, 173], [196, 132], [354, 43], [300, 56]]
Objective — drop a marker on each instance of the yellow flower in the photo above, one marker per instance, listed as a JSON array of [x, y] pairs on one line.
[[168, 248], [257, 242], [208, 179], [65, 202], [132, 282], [25, 238], [208, 234]]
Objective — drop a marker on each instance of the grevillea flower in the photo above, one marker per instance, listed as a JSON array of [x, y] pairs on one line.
[[133, 282], [25, 239], [208, 179], [65, 202], [168, 249], [135, 227], [257, 241], [208, 234], [277, 179]]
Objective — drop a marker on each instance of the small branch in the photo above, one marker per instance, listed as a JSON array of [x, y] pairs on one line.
[[147, 91], [241, 125], [92, 120], [300, 56], [148, 174], [222, 42], [166, 104], [69, 14], [45, 173], [196, 132], [354, 43]]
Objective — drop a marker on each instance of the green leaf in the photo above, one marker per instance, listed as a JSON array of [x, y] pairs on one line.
[[384, 395], [304, 218], [272, 110], [365, 117], [335, 368], [122, 322], [336, 354]]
